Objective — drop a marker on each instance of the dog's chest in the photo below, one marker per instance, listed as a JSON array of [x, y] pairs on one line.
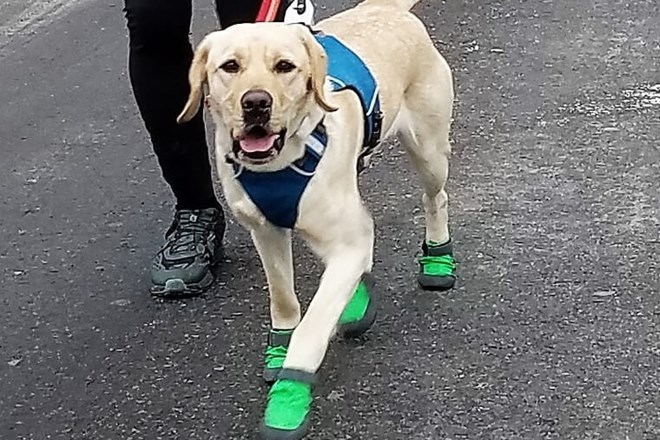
[[277, 194]]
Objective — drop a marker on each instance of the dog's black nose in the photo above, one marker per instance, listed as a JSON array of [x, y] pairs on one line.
[[256, 102]]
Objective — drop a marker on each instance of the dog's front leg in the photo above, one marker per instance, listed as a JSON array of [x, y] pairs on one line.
[[309, 342], [345, 244], [290, 398], [274, 247]]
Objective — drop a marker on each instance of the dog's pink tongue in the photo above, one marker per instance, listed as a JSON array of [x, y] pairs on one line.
[[251, 144]]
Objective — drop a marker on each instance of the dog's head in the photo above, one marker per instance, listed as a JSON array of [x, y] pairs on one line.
[[263, 80]]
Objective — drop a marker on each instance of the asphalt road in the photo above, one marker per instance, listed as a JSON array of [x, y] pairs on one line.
[[552, 333]]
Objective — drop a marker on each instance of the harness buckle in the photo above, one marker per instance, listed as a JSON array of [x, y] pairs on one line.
[[377, 130], [371, 143]]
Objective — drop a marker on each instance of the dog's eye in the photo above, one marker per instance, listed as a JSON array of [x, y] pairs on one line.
[[230, 66], [284, 66]]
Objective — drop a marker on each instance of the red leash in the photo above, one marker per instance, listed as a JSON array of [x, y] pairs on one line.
[[268, 10]]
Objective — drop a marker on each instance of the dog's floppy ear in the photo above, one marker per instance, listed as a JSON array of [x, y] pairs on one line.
[[319, 68], [197, 79]]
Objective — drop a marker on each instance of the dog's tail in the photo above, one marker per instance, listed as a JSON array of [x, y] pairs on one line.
[[403, 4]]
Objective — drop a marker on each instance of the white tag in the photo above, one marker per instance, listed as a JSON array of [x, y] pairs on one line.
[[300, 11]]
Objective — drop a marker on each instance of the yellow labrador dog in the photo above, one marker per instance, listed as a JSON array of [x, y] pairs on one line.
[[279, 117]]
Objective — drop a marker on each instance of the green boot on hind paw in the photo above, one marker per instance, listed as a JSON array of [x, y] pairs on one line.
[[437, 266]]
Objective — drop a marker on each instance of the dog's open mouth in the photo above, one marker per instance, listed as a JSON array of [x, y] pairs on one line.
[[258, 144]]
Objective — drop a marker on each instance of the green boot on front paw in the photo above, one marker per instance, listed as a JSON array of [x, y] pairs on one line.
[[289, 406], [278, 344], [437, 266], [360, 313]]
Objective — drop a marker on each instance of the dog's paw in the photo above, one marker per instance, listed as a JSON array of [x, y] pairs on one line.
[[289, 406], [360, 313], [278, 345], [437, 269]]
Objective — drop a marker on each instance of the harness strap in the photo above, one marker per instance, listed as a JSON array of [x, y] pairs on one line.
[[277, 194], [347, 71]]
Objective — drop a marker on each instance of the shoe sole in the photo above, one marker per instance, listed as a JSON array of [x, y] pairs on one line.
[[176, 288], [268, 433], [438, 284]]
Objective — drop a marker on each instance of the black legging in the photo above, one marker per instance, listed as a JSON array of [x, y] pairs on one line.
[[159, 57]]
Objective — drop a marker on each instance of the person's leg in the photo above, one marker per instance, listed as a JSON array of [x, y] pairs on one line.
[[159, 58], [232, 12]]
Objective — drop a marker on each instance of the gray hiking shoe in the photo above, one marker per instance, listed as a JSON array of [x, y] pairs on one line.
[[193, 245]]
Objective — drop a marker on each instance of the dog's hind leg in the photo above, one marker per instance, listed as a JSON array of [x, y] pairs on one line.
[[424, 125]]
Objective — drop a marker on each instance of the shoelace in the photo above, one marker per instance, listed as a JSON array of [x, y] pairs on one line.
[[275, 356], [188, 230], [443, 265]]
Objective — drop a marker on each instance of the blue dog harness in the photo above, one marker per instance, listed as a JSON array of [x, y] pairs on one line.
[[277, 194], [346, 70]]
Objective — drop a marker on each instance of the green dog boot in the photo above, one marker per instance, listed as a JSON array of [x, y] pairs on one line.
[[437, 266], [358, 316], [289, 406], [360, 313], [278, 344]]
